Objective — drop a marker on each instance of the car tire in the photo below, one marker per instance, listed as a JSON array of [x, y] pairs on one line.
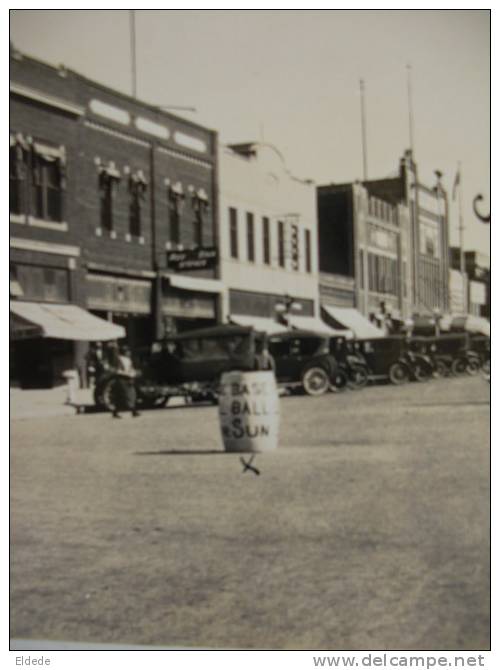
[[398, 374], [106, 395], [315, 381], [339, 381], [458, 367], [473, 367], [358, 377], [421, 373], [441, 369]]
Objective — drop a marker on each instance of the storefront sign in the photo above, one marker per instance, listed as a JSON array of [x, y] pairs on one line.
[[201, 258]]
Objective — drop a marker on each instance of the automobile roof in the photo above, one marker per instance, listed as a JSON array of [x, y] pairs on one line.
[[290, 334], [213, 331]]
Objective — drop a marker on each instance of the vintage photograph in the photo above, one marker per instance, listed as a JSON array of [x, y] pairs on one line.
[[249, 330]]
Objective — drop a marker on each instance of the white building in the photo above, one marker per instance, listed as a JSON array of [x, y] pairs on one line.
[[268, 240]]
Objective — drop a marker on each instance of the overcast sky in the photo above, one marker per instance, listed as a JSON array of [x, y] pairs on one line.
[[292, 77]]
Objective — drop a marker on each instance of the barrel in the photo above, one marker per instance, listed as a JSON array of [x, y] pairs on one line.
[[249, 411]]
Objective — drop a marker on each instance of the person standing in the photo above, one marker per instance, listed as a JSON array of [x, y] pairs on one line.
[[123, 392]]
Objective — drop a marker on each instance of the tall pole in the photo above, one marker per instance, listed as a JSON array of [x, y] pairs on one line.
[[363, 129], [461, 239], [410, 107], [133, 53]]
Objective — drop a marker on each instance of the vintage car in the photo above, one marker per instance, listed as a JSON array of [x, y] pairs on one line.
[[189, 364], [481, 345], [303, 361], [451, 353], [391, 358], [352, 370]]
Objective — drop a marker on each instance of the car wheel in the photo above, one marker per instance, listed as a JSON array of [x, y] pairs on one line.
[[315, 381], [441, 369], [421, 373], [107, 395], [458, 366], [358, 376], [339, 381], [473, 366], [398, 374]]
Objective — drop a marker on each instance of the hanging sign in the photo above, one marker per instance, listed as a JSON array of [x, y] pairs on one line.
[[200, 258]]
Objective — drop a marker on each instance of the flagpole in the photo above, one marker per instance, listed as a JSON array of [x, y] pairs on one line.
[[410, 106], [461, 237], [363, 129]]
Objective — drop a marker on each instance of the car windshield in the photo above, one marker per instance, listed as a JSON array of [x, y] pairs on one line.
[[211, 347]]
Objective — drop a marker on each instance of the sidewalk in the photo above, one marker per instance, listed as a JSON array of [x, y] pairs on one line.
[[27, 404]]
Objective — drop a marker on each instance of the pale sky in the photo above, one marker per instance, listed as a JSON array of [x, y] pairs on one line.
[[292, 77]]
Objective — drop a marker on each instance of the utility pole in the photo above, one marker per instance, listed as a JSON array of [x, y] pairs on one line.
[[410, 107], [133, 52], [363, 129]]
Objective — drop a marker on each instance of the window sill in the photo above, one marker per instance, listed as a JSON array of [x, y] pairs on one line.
[[134, 238], [49, 225], [17, 218]]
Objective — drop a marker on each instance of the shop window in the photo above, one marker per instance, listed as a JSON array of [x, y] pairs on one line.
[[250, 237], [281, 244], [266, 241], [137, 187], [308, 251], [233, 232], [43, 283], [47, 182], [109, 178]]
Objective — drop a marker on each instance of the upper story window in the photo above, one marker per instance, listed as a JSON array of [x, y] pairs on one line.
[[295, 247], [266, 240], [281, 244], [233, 232], [250, 237], [308, 250], [47, 185], [18, 172], [137, 187], [200, 207], [176, 197], [109, 178]]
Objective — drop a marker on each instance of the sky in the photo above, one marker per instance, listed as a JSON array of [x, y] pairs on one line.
[[292, 78]]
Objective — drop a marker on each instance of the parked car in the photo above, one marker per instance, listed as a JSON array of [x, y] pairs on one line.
[[481, 345], [303, 361], [352, 369], [189, 364], [387, 358], [451, 353]]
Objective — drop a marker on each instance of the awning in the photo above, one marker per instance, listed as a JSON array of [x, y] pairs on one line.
[[15, 289], [261, 323], [62, 322], [315, 324], [196, 283], [350, 318], [465, 322]]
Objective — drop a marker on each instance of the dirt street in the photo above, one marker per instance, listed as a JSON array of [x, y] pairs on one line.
[[367, 529]]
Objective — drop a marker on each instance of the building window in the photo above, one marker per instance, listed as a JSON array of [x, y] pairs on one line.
[[47, 181], [200, 207], [175, 204], [43, 283], [250, 238], [308, 251], [137, 187], [18, 170], [281, 244], [266, 241], [233, 232], [109, 178]]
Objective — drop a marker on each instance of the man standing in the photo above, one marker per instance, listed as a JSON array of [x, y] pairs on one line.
[[123, 392]]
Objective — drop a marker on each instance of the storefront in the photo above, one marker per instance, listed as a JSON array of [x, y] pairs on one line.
[[189, 302], [124, 301]]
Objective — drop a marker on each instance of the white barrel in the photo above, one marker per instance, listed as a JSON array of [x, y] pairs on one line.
[[249, 411]]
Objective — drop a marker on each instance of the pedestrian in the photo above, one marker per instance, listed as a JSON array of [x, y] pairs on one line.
[[123, 392], [263, 359]]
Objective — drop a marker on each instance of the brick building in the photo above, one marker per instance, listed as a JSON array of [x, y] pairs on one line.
[[113, 210]]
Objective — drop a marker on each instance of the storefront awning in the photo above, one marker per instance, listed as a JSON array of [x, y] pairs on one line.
[[260, 323], [15, 289], [196, 283], [62, 322], [350, 318], [315, 324], [465, 322]]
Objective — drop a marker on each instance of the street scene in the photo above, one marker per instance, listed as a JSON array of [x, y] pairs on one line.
[[367, 528], [249, 352]]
